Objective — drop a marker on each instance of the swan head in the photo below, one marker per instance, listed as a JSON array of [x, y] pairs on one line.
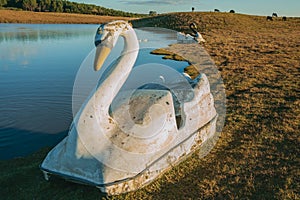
[[106, 38], [193, 26]]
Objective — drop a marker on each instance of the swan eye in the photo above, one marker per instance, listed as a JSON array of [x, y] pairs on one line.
[[100, 31], [99, 35]]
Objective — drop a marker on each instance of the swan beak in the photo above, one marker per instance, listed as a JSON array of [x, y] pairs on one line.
[[101, 54]]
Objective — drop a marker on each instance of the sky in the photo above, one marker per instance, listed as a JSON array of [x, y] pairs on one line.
[[253, 7]]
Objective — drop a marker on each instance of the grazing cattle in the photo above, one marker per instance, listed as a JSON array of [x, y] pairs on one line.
[[274, 15], [217, 10], [269, 18], [284, 18], [232, 11]]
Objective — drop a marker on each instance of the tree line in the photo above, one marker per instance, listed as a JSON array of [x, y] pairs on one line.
[[64, 6]]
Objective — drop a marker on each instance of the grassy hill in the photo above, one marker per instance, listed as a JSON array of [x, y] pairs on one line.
[[11, 16], [257, 156]]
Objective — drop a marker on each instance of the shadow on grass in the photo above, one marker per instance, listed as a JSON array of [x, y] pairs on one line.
[[21, 178]]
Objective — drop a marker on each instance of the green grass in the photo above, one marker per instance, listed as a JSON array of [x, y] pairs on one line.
[[257, 155]]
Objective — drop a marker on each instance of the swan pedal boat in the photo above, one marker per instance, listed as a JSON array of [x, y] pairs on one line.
[[183, 38], [117, 154]]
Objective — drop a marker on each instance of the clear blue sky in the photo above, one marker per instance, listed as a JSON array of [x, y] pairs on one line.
[[254, 7]]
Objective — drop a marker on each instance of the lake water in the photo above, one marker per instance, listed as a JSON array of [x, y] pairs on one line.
[[38, 67]]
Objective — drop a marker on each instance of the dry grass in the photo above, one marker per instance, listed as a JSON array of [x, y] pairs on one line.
[[257, 156], [167, 54], [10, 16]]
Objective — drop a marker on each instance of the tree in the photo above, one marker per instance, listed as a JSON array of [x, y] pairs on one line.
[[3, 3], [64, 6], [193, 9], [45, 5], [29, 4], [59, 6], [14, 3], [152, 13]]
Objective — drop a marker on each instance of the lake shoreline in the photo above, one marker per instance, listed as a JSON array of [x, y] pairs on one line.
[[29, 17]]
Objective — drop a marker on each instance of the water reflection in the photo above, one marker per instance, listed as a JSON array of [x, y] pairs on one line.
[[20, 44], [30, 32]]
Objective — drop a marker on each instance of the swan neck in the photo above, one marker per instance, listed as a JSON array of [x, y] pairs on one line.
[[130, 42], [110, 87]]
